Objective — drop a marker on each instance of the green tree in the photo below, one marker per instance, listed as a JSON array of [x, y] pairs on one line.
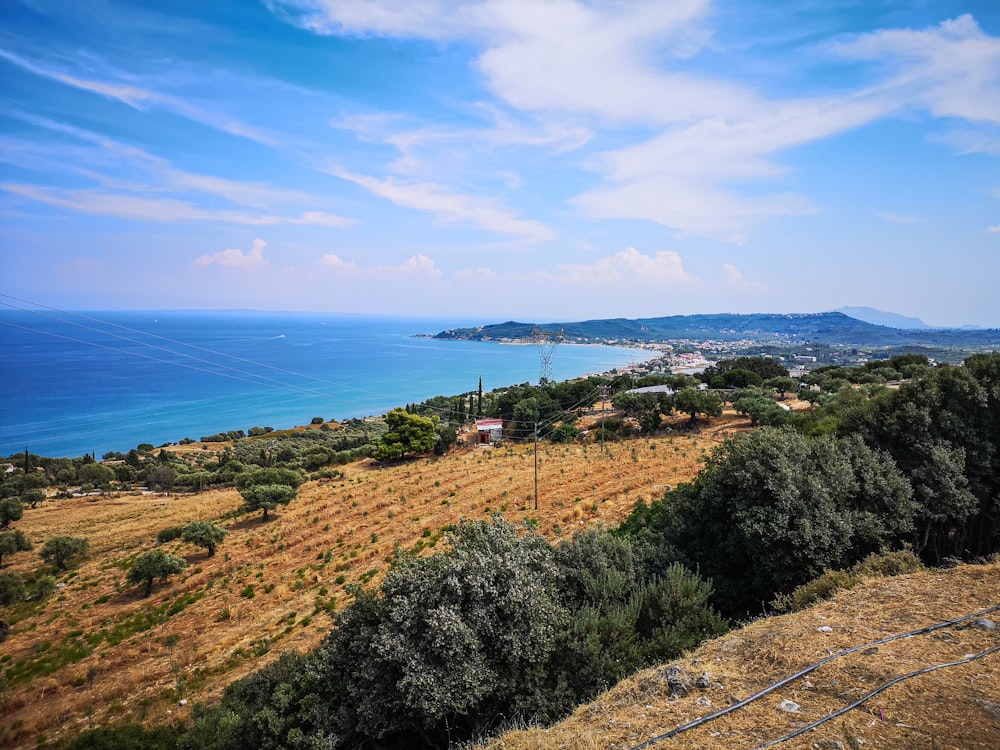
[[10, 510], [450, 644], [13, 541], [11, 588], [772, 509], [205, 534], [266, 497], [59, 550], [152, 565], [782, 385], [32, 497], [693, 402], [646, 408], [96, 474], [408, 433], [942, 431]]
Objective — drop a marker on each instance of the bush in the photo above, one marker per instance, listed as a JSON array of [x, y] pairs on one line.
[[317, 420], [877, 565], [127, 737], [817, 590], [885, 564], [564, 433], [169, 534]]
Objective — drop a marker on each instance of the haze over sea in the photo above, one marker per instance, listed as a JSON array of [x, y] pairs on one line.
[[74, 383]]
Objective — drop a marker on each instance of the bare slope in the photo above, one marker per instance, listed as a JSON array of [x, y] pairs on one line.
[[950, 709]]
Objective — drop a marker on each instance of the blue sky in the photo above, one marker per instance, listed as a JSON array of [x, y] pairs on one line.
[[525, 159]]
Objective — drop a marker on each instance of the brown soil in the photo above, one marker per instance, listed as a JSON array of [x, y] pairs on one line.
[[957, 708], [298, 564]]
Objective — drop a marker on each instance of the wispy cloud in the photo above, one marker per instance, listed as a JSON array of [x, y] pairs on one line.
[[952, 69], [993, 230], [142, 98], [696, 140], [236, 258], [484, 213], [140, 208]]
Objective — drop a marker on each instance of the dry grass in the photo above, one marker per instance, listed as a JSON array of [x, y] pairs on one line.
[[951, 709], [336, 532]]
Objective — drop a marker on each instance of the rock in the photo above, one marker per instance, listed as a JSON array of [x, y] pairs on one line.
[[704, 681], [677, 681], [183, 702], [703, 701], [824, 629], [829, 745], [789, 707], [984, 623]]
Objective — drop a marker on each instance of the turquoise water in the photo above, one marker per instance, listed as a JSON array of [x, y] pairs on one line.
[[104, 381]]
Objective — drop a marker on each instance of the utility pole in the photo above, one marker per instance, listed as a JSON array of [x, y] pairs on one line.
[[536, 465], [604, 394]]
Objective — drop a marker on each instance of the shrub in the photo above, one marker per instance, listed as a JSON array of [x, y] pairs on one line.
[[169, 534], [885, 564], [817, 590], [564, 433]]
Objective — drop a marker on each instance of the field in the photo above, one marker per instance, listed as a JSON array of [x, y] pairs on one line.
[[96, 653]]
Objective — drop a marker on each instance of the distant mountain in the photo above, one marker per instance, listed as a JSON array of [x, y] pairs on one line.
[[822, 328], [881, 318]]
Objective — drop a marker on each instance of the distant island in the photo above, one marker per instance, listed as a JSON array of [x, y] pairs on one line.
[[827, 328]]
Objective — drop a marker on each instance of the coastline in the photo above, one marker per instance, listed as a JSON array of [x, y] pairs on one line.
[[63, 400]]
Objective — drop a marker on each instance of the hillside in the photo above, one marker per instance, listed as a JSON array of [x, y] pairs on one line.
[[822, 328], [96, 653], [957, 708]]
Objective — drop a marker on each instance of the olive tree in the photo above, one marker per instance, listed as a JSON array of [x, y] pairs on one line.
[[13, 541], [266, 497], [59, 550], [10, 510], [152, 565], [205, 534]]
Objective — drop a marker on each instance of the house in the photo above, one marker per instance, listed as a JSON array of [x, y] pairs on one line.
[[488, 431], [665, 389]]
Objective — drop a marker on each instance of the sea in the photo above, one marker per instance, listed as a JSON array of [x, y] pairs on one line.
[[95, 382]]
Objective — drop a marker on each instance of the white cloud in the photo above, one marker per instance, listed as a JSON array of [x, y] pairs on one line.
[[624, 65], [952, 69], [733, 278], [235, 258], [628, 265], [140, 208], [484, 213], [334, 262], [141, 98], [415, 266], [993, 230]]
